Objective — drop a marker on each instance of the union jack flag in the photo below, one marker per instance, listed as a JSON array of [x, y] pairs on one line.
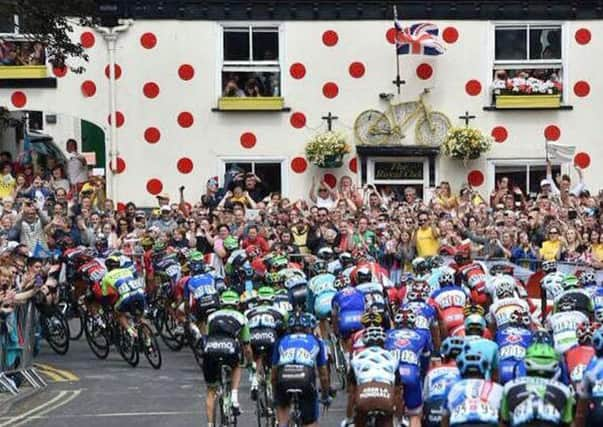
[[418, 39]]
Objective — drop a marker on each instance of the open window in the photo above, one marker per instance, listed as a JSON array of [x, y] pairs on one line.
[[251, 68], [20, 57], [270, 171], [526, 176]]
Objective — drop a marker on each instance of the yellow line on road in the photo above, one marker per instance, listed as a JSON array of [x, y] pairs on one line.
[[51, 376], [65, 375]]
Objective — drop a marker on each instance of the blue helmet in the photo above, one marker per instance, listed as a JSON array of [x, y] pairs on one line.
[[598, 341], [475, 320], [452, 347], [472, 362], [301, 322]]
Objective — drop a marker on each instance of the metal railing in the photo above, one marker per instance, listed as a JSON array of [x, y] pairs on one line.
[[17, 342]]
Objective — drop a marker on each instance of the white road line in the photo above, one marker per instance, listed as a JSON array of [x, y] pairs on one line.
[[74, 394], [13, 420], [116, 414]]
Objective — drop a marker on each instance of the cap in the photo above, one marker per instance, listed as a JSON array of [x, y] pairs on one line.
[[545, 182], [212, 181], [140, 214], [165, 209], [87, 187], [163, 196]]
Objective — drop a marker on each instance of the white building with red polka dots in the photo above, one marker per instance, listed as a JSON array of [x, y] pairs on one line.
[[180, 77]]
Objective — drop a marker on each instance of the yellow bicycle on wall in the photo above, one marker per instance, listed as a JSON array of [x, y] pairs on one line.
[[374, 127]]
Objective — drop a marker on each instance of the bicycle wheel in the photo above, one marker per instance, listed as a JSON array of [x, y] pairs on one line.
[[57, 332], [75, 319], [126, 345], [149, 345], [432, 132], [372, 127], [197, 348], [169, 337], [341, 366], [96, 337]]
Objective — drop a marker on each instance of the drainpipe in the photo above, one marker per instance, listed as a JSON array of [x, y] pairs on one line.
[[111, 34]]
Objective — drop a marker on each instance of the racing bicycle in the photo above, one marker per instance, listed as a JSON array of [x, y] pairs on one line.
[[226, 416]]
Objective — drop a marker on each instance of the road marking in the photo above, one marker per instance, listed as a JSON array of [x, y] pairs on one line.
[[108, 415], [41, 414], [34, 410], [66, 375]]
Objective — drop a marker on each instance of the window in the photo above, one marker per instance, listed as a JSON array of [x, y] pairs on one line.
[[9, 24], [399, 174], [525, 176], [250, 62], [530, 51], [269, 171], [15, 49]]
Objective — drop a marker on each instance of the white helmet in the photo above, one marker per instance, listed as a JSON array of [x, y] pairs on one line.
[[553, 283], [504, 286]]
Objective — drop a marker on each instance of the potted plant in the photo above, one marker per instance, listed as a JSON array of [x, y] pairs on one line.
[[465, 143], [527, 90], [326, 150]]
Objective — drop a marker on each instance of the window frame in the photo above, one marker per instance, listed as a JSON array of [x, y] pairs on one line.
[[370, 171], [283, 161], [525, 162], [16, 34]]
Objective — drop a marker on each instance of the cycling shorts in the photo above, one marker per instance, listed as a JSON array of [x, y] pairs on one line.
[[262, 340], [218, 351], [204, 305], [349, 322], [410, 377], [507, 370], [133, 303], [433, 412], [300, 378], [298, 296], [322, 305], [374, 396], [594, 415], [452, 318]]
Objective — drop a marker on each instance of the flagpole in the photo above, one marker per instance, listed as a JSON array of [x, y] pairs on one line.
[[396, 48], [546, 149]]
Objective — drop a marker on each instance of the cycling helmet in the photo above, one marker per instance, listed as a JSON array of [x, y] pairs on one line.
[[371, 318], [446, 278], [520, 317], [419, 265], [273, 278], [463, 255], [598, 342], [452, 347], [472, 362], [325, 253], [101, 243], [249, 298], [570, 282], [159, 246], [341, 281], [231, 243], [470, 309], [279, 262], [584, 333], [229, 299], [194, 256], [373, 336], [318, 267], [542, 336], [407, 279], [346, 259], [588, 278], [541, 360], [501, 269], [301, 322], [112, 263], [566, 304], [549, 266], [435, 261], [295, 282], [405, 318], [265, 295], [599, 314], [475, 323], [147, 242], [364, 275], [418, 291], [252, 251], [504, 286]]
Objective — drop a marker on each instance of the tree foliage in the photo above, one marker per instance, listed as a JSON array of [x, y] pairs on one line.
[[51, 22]]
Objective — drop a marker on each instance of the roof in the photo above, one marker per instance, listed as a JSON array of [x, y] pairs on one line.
[[285, 10]]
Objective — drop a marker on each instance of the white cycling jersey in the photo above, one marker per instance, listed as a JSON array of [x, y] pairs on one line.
[[501, 310], [564, 326], [375, 364]]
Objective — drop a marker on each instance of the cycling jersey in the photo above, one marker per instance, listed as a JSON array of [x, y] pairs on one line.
[[575, 361], [230, 323], [374, 364], [438, 379], [282, 302], [374, 295], [484, 346], [564, 326], [321, 290], [473, 401], [300, 349], [592, 380], [512, 344], [123, 282], [357, 342], [449, 302], [201, 292], [475, 277], [265, 325], [540, 401], [501, 310], [349, 305], [580, 299]]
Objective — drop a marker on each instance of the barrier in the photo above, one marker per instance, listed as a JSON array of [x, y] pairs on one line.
[[17, 342]]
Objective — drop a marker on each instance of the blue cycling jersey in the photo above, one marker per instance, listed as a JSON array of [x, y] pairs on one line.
[[512, 342], [437, 381], [408, 343], [473, 401], [484, 346], [299, 349], [200, 285], [592, 380]]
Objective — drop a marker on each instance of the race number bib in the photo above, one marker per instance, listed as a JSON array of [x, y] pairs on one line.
[[201, 291], [577, 373], [512, 351], [173, 270]]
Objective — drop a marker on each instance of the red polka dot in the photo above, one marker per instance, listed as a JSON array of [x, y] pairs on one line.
[[450, 35], [330, 90], [353, 165], [121, 207], [424, 71], [357, 69], [475, 178], [499, 133], [117, 71], [583, 36], [581, 88], [330, 38], [298, 120], [248, 140], [552, 133], [297, 70], [121, 165], [152, 135], [473, 87], [391, 34], [19, 99], [88, 88], [185, 165], [299, 165], [151, 90], [582, 160], [119, 119], [87, 39], [148, 40], [186, 72], [330, 180], [154, 186], [185, 119], [60, 71]]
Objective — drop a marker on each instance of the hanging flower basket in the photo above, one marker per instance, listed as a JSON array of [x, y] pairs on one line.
[[326, 150], [465, 143]]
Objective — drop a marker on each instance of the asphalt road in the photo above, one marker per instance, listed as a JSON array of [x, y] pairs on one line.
[[85, 391]]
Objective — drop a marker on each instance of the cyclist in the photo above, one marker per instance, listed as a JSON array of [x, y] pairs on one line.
[[475, 327], [411, 348], [575, 360], [227, 331], [505, 303], [513, 339], [321, 290], [551, 286], [564, 323], [449, 301], [473, 274], [590, 391], [375, 297], [537, 399], [374, 383], [297, 292], [588, 280], [348, 307], [474, 400], [438, 379], [580, 298], [295, 359]]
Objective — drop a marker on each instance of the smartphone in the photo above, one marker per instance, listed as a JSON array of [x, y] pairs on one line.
[[572, 214]]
